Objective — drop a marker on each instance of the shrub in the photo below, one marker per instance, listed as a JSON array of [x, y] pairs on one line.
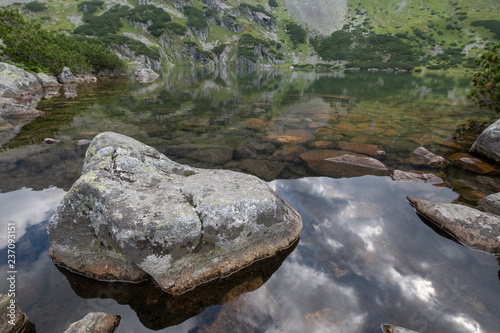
[[176, 28], [195, 18], [35, 6], [296, 32], [273, 3], [491, 25], [38, 49], [486, 82]]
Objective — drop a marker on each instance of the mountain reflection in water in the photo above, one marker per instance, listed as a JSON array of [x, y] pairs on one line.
[[364, 258]]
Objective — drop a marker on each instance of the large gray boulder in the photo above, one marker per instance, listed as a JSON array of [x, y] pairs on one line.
[[470, 226], [135, 214], [488, 143], [14, 82]]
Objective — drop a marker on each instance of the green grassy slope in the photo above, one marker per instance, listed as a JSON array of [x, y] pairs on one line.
[[440, 34]]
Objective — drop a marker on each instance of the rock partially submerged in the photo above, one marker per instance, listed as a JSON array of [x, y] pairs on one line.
[[490, 204], [470, 226], [95, 322], [396, 329], [146, 75], [488, 143], [135, 214], [12, 319], [413, 177], [15, 82]]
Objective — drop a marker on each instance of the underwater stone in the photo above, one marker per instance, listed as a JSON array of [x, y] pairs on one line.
[[135, 214]]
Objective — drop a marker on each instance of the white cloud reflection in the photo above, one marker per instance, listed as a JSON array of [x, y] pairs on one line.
[[26, 207]]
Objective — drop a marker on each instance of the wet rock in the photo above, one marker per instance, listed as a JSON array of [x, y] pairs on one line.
[[12, 319], [256, 124], [362, 148], [95, 322], [267, 170], [470, 226], [214, 155], [396, 329], [299, 136], [337, 164], [432, 159], [287, 153], [13, 110], [50, 141], [135, 214], [47, 81], [15, 82], [323, 145], [488, 143], [474, 164], [66, 76], [411, 177], [490, 204]]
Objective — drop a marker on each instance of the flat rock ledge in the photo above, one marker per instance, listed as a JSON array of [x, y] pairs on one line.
[[134, 214], [470, 226], [95, 322]]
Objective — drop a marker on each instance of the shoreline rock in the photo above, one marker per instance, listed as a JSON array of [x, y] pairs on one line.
[[95, 322], [135, 214], [470, 226], [488, 143]]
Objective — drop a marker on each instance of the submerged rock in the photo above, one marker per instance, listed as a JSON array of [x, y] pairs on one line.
[[135, 214], [470, 226], [488, 143], [396, 329], [474, 164], [146, 75], [95, 322], [13, 110], [337, 164], [432, 159]]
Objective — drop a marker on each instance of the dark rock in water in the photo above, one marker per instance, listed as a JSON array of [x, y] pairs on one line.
[[406, 176], [267, 170], [335, 163], [214, 155], [95, 322], [290, 136], [66, 76], [287, 153], [135, 214], [396, 329], [488, 143], [490, 204], [50, 141], [362, 148], [474, 164], [470, 226], [146, 75], [12, 319], [157, 309]]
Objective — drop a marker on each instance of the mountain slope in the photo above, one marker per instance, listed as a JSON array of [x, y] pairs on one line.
[[366, 33]]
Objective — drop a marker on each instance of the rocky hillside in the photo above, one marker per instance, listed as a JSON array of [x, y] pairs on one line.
[[363, 33]]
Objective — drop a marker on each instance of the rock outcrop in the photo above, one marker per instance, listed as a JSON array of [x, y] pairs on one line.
[[488, 143], [470, 226], [135, 214], [95, 322], [490, 204], [146, 75], [12, 319], [16, 82]]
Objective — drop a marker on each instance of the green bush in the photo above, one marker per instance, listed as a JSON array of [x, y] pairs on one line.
[[486, 82], [107, 23], [90, 7], [296, 32], [177, 28], [195, 18], [35, 6], [40, 50], [219, 49], [491, 25], [273, 3]]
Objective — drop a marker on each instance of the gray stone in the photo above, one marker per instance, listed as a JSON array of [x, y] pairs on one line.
[[490, 204], [66, 76], [13, 110], [405, 176], [432, 159], [470, 226], [95, 322], [47, 81], [488, 143], [146, 75], [396, 329], [12, 319], [135, 214], [14, 82]]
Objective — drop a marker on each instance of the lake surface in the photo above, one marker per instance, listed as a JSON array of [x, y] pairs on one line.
[[364, 257]]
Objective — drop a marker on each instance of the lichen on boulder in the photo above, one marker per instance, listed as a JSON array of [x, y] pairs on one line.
[[135, 214]]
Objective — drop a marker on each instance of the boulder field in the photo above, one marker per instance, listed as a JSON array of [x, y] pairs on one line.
[[134, 214]]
